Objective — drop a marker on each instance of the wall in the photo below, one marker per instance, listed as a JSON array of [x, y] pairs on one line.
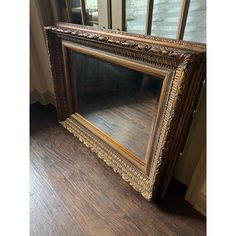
[[196, 194], [196, 142], [190, 168]]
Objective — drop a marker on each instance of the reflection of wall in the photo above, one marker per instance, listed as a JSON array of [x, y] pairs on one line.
[[106, 77]]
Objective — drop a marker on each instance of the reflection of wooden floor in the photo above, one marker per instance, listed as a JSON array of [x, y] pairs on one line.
[[127, 119]]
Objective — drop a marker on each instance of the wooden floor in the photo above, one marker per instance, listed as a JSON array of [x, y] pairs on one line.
[[72, 192]]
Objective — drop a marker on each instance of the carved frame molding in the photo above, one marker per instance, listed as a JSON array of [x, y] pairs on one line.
[[185, 63]]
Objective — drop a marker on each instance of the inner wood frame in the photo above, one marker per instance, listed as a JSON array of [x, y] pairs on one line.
[[67, 47]]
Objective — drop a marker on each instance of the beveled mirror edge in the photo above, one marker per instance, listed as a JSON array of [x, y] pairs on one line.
[[182, 62]]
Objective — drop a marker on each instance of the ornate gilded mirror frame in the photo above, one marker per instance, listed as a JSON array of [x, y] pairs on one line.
[[180, 64]]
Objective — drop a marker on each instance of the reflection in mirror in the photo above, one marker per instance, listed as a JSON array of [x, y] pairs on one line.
[[121, 102]]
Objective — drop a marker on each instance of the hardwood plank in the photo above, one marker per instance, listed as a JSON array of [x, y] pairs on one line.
[[48, 211], [83, 191]]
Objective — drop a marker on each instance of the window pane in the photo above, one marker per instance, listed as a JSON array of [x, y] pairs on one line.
[[70, 11], [63, 10], [165, 20], [136, 16], [91, 7], [76, 16], [195, 29]]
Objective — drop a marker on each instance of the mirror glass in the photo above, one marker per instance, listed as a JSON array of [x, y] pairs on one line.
[[119, 101]]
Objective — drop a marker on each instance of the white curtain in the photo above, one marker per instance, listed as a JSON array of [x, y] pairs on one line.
[[41, 85]]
